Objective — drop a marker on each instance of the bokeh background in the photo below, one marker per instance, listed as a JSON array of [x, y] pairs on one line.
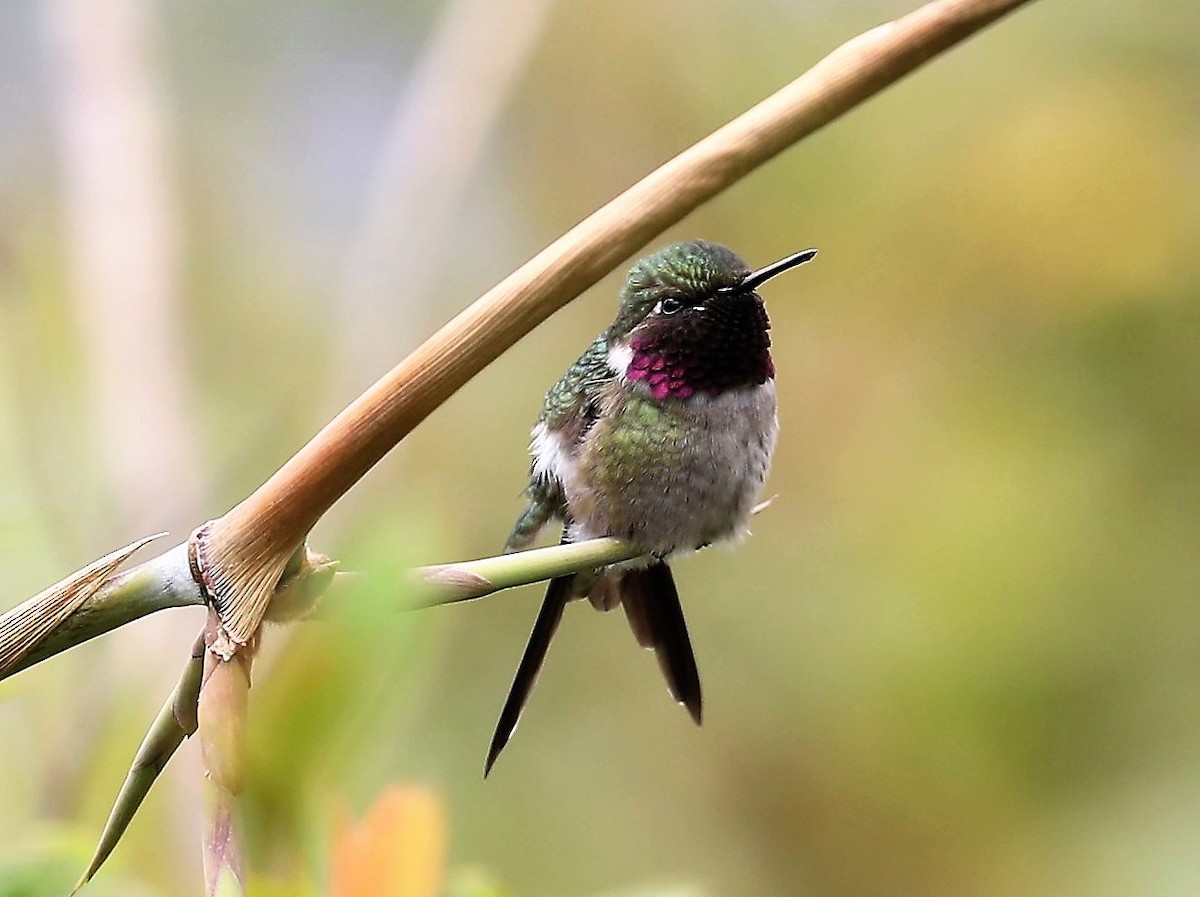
[[960, 654]]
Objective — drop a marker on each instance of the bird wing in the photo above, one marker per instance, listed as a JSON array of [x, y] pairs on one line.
[[571, 408], [573, 404]]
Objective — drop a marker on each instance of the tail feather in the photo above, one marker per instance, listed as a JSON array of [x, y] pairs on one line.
[[652, 607], [604, 593], [557, 595]]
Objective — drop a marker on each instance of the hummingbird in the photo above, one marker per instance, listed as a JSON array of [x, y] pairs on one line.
[[661, 434]]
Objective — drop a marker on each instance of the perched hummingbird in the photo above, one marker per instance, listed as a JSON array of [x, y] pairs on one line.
[[660, 434]]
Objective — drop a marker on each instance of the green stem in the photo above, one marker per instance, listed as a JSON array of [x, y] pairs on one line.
[[466, 580]]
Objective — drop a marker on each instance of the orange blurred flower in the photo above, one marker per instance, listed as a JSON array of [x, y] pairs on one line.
[[398, 849]]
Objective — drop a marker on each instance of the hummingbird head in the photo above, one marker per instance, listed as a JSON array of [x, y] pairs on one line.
[[691, 321]]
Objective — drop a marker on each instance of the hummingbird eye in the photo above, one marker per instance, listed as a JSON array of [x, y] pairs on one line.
[[669, 305]]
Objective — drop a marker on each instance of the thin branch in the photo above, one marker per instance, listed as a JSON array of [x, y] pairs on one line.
[[468, 580], [244, 553], [46, 625]]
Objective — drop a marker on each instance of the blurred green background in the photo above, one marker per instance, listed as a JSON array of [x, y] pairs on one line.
[[961, 653]]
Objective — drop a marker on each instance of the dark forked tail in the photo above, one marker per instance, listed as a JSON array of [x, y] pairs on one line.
[[651, 604]]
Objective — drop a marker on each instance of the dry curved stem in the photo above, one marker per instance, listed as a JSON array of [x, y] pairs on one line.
[[245, 552]]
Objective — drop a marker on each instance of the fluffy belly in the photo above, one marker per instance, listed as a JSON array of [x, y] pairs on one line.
[[673, 475]]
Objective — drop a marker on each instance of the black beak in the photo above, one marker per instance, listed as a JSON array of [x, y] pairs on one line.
[[755, 279]]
